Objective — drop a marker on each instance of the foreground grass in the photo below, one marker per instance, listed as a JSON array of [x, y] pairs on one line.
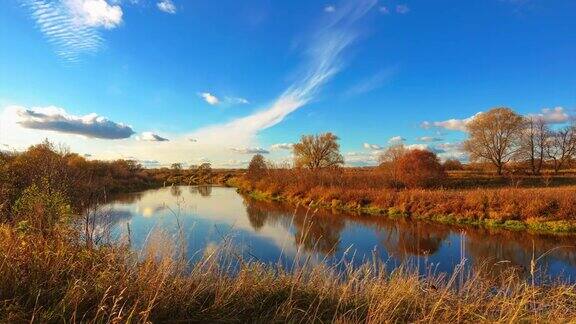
[[58, 279]]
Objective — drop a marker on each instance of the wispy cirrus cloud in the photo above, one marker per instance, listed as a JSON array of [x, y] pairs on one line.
[[373, 82], [324, 61], [72, 26], [166, 6], [429, 139], [58, 120]]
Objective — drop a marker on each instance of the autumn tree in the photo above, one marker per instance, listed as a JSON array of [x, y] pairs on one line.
[[419, 168], [534, 140], [318, 151], [388, 162], [494, 136], [257, 167], [176, 166], [562, 147]]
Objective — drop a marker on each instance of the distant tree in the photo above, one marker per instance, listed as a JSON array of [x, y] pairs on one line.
[[453, 165], [176, 166], [318, 151], [494, 136], [205, 170], [419, 168], [534, 140], [257, 167], [389, 162], [562, 147]]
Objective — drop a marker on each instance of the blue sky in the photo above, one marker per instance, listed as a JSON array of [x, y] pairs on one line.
[[189, 81]]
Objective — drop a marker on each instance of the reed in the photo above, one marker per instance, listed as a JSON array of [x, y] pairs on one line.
[[49, 279]]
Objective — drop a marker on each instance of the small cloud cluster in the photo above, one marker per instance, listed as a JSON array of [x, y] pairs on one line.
[[166, 6], [210, 98], [58, 120], [396, 140], [329, 8], [429, 139], [151, 137], [372, 147], [250, 150], [451, 124], [556, 115], [281, 146], [213, 100]]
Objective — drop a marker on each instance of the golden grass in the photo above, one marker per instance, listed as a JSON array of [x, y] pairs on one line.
[[58, 279]]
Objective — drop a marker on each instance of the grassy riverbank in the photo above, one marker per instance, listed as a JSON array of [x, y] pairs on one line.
[[57, 278], [538, 210]]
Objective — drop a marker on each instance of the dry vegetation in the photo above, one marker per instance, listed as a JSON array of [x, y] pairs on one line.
[[545, 209], [56, 278]]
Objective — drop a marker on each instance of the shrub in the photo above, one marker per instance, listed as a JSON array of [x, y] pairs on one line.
[[419, 168]]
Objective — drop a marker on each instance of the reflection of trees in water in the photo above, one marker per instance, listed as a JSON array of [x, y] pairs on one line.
[[205, 191], [314, 232], [127, 198], [404, 238], [176, 191], [517, 248]]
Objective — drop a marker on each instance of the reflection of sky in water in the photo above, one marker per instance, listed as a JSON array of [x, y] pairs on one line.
[[271, 232]]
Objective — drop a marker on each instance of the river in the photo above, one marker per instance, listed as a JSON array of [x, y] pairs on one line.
[[208, 217]]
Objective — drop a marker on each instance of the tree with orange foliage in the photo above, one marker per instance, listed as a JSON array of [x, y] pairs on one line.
[[419, 168]]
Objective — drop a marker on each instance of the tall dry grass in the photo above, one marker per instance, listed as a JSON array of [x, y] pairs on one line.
[[57, 279]]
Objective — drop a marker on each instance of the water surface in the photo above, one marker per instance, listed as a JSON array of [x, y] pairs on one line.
[[273, 232]]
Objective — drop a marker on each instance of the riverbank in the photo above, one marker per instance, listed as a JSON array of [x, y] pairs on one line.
[[58, 278], [536, 210]]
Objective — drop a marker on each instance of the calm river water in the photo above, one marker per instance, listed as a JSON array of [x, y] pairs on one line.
[[274, 232]]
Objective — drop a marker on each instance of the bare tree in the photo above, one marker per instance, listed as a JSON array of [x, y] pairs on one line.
[[533, 142], [318, 151], [494, 136], [562, 147]]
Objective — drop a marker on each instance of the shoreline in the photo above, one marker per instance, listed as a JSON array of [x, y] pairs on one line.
[[532, 226]]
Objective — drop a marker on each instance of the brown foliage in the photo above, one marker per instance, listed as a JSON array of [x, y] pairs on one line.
[[419, 168]]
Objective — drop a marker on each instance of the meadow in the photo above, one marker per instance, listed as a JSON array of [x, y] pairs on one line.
[[51, 270]]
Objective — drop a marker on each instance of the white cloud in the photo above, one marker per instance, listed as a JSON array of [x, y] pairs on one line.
[[374, 147], [329, 9], [151, 137], [556, 115], [95, 13], [451, 124], [396, 140], [429, 139], [250, 150], [167, 6], [71, 26], [326, 47], [281, 146], [237, 100], [402, 9], [384, 10], [210, 98], [58, 120]]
